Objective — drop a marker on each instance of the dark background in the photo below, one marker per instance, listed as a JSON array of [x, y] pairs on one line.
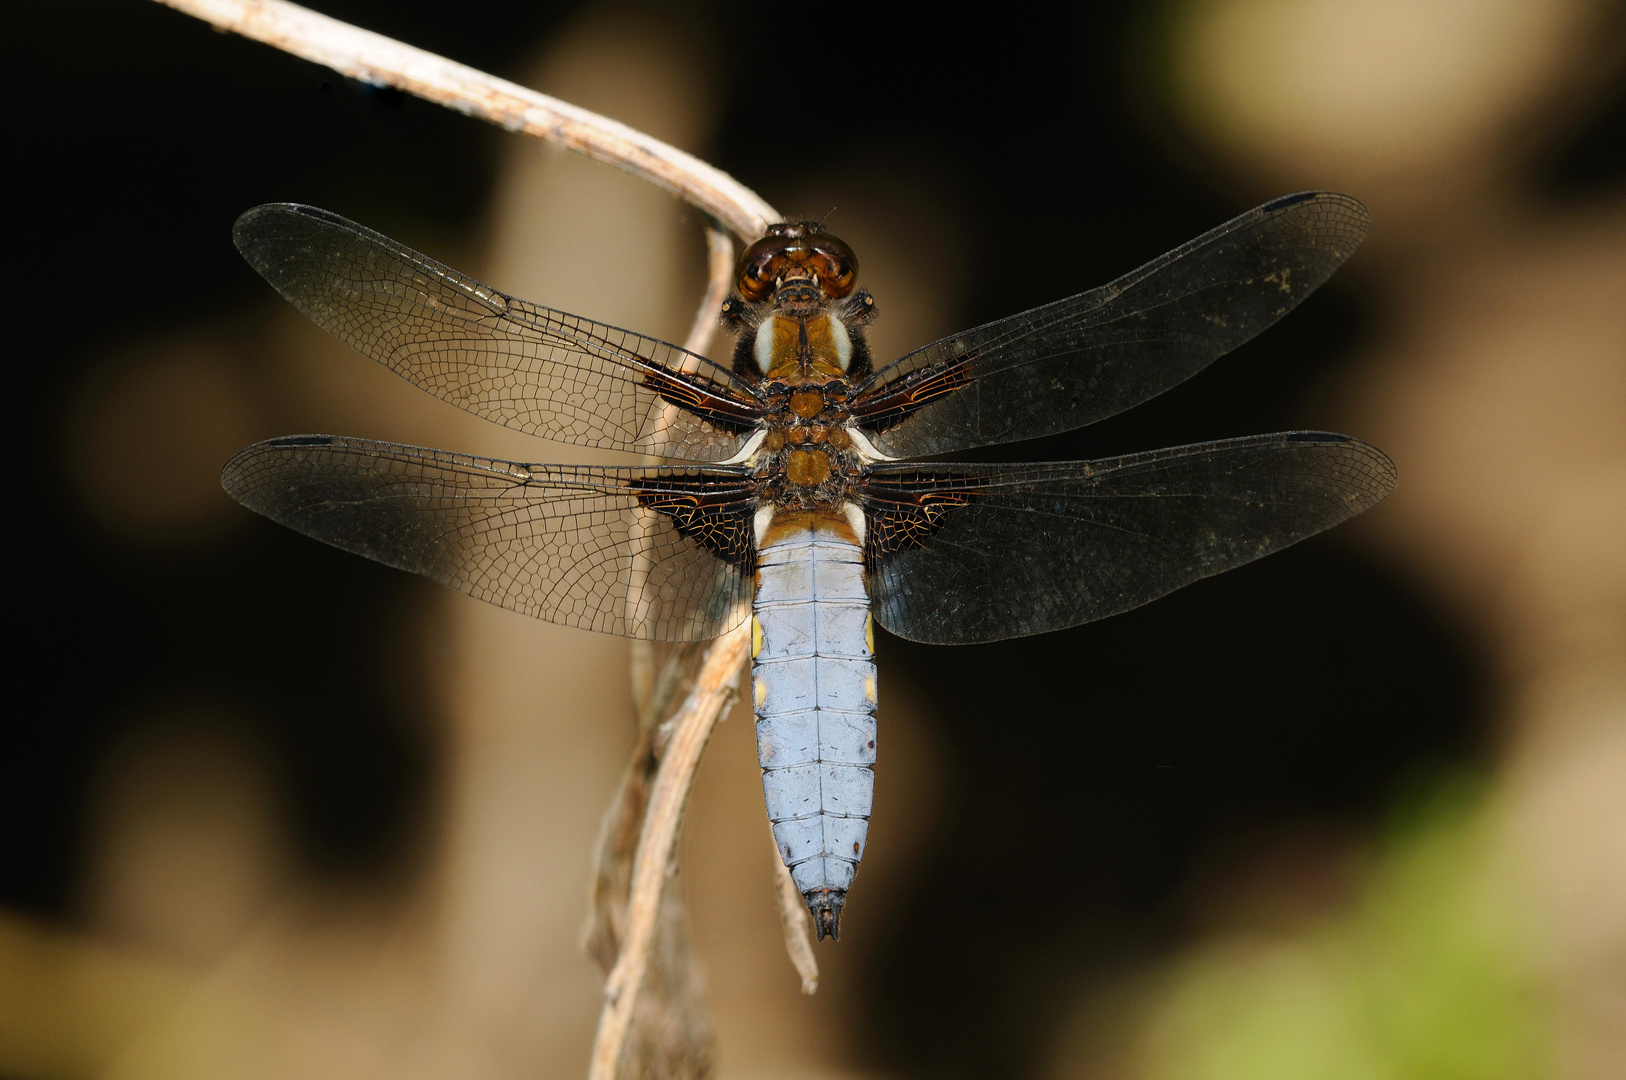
[[1316, 685]]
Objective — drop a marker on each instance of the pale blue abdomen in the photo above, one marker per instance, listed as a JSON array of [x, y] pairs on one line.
[[813, 685]]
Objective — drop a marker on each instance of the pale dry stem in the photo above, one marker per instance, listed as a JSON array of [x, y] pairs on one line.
[[656, 697], [669, 1035], [719, 280], [632, 865], [686, 735], [797, 924], [373, 58]]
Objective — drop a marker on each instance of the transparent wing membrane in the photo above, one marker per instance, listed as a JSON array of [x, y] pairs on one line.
[[956, 552], [639, 552], [1093, 355], [968, 553], [527, 367]]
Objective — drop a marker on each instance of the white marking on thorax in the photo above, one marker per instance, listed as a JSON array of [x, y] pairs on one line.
[[763, 349], [844, 342], [760, 522]]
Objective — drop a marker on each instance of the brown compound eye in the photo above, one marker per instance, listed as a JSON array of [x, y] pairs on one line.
[[761, 265], [835, 264], [791, 250]]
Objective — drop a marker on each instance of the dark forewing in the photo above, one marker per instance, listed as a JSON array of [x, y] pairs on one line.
[[528, 367], [1090, 356], [1005, 551], [608, 549]]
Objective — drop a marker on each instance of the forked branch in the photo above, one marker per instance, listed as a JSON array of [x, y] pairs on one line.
[[727, 204]]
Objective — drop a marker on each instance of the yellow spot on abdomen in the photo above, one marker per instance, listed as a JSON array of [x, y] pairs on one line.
[[756, 637], [869, 690], [869, 633], [759, 692]]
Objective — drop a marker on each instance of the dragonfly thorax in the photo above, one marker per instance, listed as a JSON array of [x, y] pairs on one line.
[[808, 466], [807, 458]]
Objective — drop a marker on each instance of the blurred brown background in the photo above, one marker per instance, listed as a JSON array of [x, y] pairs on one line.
[[1356, 811]]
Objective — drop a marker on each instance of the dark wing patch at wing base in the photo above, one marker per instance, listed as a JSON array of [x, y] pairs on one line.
[[1033, 548], [884, 409], [582, 546], [904, 511], [714, 511], [1093, 355], [528, 367]]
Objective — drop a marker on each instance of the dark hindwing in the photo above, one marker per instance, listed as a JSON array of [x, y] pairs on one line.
[[527, 367], [969, 553], [648, 553], [1093, 355]]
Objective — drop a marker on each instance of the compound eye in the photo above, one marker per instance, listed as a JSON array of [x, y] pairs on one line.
[[790, 250], [760, 265], [835, 263]]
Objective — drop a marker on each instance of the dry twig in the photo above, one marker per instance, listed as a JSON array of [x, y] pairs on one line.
[[719, 280], [686, 734], [668, 1035], [796, 923], [373, 58], [655, 789]]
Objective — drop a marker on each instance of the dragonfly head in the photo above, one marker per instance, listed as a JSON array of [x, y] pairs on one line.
[[796, 257]]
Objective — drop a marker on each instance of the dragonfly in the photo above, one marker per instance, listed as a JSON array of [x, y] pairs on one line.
[[801, 494]]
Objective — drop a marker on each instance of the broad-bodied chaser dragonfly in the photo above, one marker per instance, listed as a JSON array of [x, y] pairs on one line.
[[800, 505]]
